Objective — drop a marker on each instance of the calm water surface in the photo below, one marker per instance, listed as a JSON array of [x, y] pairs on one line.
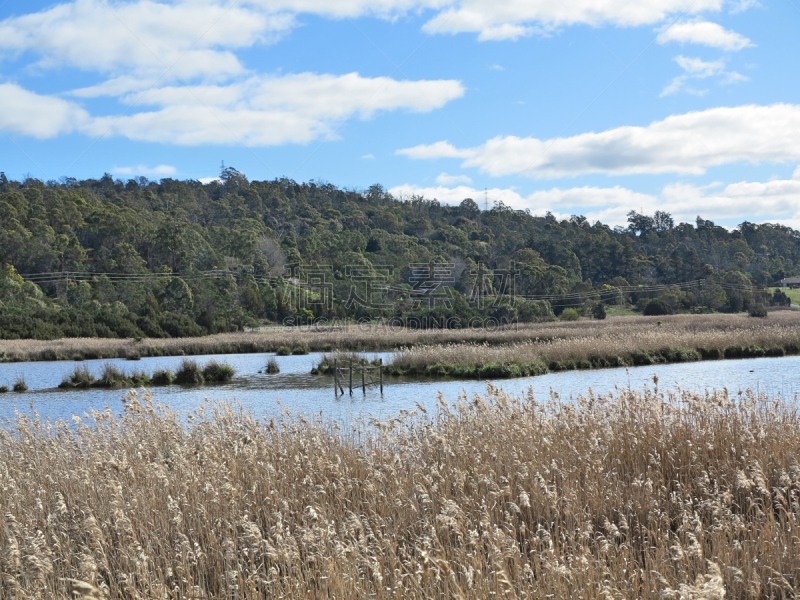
[[296, 389]]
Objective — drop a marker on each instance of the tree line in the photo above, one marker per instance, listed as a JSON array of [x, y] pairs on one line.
[[136, 258]]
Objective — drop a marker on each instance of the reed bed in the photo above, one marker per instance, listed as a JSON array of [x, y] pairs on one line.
[[363, 338], [189, 373], [629, 495], [628, 344]]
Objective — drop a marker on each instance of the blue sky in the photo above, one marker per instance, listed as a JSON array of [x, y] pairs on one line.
[[573, 106]]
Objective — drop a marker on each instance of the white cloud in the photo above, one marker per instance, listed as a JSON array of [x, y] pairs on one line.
[[688, 144], [455, 195], [438, 150], [773, 201], [734, 77], [268, 111], [207, 180], [514, 18], [193, 37], [25, 112], [705, 33], [694, 68], [262, 111], [160, 170], [445, 179], [368, 157], [698, 67]]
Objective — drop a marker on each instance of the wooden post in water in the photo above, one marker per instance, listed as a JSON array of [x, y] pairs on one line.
[[363, 383], [380, 370], [335, 379], [351, 377]]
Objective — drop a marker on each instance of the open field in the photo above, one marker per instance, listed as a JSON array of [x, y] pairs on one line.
[[376, 338], [637, 495], [617, 343]]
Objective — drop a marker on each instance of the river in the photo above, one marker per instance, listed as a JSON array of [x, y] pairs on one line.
[[294, 388]]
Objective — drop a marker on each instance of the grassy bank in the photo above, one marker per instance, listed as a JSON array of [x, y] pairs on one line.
[[631, 496], [625, 342], [189, 373], [365, 338]]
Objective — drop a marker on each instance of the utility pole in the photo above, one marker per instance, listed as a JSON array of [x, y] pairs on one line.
[[222, 169]]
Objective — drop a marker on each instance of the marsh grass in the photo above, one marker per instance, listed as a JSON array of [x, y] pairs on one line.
[[162, 377], [630, 495], [216, 372], [372, 338], [272, 367], [113, 377], [79, 378], [624, 343], [189, 373], [20, 384], [342, 360]]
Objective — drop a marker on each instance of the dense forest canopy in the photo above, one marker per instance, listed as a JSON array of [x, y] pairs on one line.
[[172, 258]]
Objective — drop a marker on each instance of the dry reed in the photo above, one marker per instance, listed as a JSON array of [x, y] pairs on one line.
[[625, 343], [368, 337], [631, 495]]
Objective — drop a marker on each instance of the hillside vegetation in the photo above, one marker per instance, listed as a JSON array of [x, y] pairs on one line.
[[107, 258]]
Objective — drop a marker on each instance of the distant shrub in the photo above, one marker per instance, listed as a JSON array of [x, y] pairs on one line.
[[569, 314], [299, 350], [272, 366], [178, 325], [218, 372], [657, 307], [133, 355], [162, 377], [599, 311], [189, 373], [3, 389], [759, 311], [79, 378], [112, 377], [20, 385], [284, 351]]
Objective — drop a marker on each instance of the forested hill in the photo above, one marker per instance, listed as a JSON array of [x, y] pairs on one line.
[[111, 258]]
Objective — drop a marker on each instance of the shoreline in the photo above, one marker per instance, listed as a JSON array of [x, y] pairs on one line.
[[515, 370]]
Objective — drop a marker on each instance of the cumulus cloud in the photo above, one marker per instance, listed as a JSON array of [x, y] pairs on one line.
[[201, 36], [438, 150], [263, 111], [25, 112], [160, 170], [268, 111], [777, 200], [687, 144], [509, 20], [445, 179], [194, 38], [705, 33]]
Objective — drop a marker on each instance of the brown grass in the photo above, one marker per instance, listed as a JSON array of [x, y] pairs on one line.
[[635, 495], [623, 342], [373, 338]]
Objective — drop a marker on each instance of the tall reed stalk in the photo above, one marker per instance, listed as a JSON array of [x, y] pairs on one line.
[[630, 495]]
